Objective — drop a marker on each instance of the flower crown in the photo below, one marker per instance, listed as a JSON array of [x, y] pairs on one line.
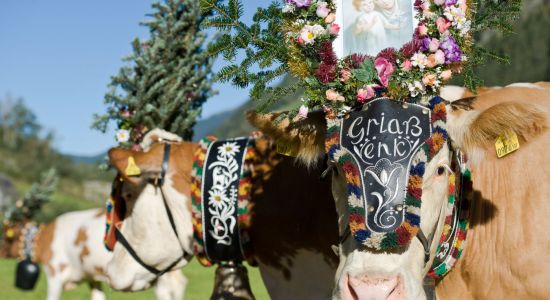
[[439, 46]]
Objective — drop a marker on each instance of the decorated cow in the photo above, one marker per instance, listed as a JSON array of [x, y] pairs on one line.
[[397, 174], [71, 251], [290, 221]]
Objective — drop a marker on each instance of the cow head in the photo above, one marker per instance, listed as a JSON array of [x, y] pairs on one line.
[[10, 245], [373, 266], [144, 221]]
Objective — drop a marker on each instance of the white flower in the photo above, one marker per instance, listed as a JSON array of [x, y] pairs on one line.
[[464, 25], [217, 198], [416, 88], [288, 8], [122, 135], [420, 60], [302, 112], [228, 149], [318, 29], [458, 19], [309, 33]]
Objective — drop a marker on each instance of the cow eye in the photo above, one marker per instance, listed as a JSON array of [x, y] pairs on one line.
[[441, 170]]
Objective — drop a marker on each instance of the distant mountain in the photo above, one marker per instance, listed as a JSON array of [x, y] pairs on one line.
[[236, 125], [88, 160], [209, 125]]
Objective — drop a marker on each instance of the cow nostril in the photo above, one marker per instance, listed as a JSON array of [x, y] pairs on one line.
[[374, 287]]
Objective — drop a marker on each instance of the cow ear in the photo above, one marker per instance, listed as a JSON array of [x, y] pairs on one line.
[[136, 166], [472, 130], [304, 138]]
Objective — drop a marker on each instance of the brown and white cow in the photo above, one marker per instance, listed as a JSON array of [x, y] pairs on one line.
[[293, 221], [507, 247], [71, 251]]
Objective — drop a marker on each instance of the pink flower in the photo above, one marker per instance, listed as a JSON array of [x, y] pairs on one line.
[[322, 10], [333, 95], [300, 40], [429, 79], [422, 30], [446, 75], [302, 112], [345, 74], [384, 69], [434, 45], [431, 61], [440, 57], [463, 5], [330, 18], [365, 93], [407, 65], [442, 24], [439, 2], [425, 5], [126, 114], [334, 29]]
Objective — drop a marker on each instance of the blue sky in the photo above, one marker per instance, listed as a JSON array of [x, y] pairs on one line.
[[59, 56]]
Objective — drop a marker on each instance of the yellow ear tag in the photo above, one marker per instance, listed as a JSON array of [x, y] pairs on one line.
[[286, 149], [132, 169], [506, 144], [10, 233]]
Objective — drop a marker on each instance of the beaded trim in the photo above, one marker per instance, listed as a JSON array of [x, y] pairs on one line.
[[453, 238]]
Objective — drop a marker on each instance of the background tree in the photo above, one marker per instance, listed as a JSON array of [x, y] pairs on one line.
[[167, 78], [39, 194]]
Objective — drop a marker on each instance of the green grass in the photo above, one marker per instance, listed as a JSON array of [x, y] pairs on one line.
[[199, 287]]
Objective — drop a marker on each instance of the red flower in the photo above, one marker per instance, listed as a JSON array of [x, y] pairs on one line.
[[326, 54], [410, 48], [355, 60], [326, 73], [389, 54]]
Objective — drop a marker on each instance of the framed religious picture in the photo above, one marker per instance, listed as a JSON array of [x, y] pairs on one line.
[[369, 26]]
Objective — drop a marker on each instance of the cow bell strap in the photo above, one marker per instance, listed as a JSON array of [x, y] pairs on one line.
[[158, 183], [220, 192]]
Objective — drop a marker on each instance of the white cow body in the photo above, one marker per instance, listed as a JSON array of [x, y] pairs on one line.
[[71, 251]]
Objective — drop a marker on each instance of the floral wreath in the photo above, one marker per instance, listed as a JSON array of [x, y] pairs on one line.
[[439, 46]]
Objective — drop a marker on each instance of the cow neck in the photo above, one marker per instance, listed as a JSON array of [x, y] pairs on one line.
[[158, 182]]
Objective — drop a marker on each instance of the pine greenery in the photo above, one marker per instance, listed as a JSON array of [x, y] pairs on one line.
[[266, 56], [39, 194], [167, 78]]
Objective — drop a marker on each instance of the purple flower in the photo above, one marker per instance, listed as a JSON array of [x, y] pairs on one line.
[[450, 2], [425, 44], [451, 50], [300, 3]]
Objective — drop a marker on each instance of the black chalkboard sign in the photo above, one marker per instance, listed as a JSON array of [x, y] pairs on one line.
[[383, 139]]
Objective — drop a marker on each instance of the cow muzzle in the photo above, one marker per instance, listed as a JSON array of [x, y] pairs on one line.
[[365, 287]]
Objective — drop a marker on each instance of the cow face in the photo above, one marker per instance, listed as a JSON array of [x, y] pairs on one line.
[[367, 271], [10, 245], [145, 223]]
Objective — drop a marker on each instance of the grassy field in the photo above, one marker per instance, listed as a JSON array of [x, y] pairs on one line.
[[201, 281]]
